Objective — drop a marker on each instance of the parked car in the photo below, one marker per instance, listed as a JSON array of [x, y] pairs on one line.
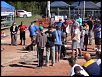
[[23, 13]]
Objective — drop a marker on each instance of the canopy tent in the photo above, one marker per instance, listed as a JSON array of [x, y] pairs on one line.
[[98, 4], [7, 14], [60, 4], [88, 5], [85, 8], [6, 7]]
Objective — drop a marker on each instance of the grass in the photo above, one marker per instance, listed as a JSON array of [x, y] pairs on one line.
[[27, 21]]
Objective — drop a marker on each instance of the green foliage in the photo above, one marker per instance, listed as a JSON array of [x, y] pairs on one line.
[[27, 21]]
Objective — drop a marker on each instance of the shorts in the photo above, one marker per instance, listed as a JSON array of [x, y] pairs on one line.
[[97, 41], [58, 48], [22, 35], [75, 44]]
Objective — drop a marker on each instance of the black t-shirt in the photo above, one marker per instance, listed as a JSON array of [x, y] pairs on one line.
[[90, 24], [50, 39]]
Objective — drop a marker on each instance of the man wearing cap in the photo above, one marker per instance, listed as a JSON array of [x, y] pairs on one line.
[[14, 30], [41, 40]]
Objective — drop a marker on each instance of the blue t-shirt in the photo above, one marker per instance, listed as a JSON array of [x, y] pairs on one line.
[[98, 33], [59, 24], [33, 30], [58, 37]]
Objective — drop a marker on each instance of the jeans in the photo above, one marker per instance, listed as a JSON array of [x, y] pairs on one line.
[[40, 56], [13, 39], [50, 51]]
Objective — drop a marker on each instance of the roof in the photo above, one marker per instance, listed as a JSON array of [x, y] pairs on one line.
[[98, 4], [59, 4], [6, 7], [88, 5]]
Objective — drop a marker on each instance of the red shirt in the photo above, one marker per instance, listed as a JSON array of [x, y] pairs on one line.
[[22, 28]]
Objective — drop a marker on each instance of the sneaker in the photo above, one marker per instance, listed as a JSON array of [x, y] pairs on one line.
[[53, 65], [20, 44], [47, 65]]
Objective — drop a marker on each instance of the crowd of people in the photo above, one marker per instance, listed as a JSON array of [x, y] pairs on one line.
[[55, 37]]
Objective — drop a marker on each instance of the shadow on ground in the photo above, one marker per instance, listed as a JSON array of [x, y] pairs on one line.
[[23, 65]]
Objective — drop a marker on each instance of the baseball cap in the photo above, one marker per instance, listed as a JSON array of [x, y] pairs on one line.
[[41, 28]]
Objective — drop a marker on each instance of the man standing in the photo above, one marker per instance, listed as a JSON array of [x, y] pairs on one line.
[[33, 31], [58, 34], [97, 30], [79, 20], [50, 47], [90, 23], [14, 30], [41, 40], [76, 41], [22, 29]]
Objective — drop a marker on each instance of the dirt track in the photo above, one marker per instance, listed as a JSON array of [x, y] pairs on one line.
[[12, 55]]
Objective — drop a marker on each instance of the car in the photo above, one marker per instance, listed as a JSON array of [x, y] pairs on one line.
[[23, 13]]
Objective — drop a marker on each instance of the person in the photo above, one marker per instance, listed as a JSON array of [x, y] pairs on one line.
[[14, 30], [97, 32], [90, 35], [86, 28], [76, 41], [50, 47], [98, 56], [41, 40], [90, 65], [64, 25], [82, 38], [79, 20], [22, 29], [59, 23], [33, 31], [58, 34], [76, 70], [65, 29]]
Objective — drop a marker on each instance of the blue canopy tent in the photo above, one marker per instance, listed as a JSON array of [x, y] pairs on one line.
[[7, 14], [88, 5], [7, 7], [85, 5], [60, 4], [98, 4]]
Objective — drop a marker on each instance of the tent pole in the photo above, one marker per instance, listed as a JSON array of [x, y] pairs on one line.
[[58, 11], [84, 9], [49, 14]]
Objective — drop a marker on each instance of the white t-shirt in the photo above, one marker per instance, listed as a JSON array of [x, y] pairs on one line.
[[77, 34], [82, 72]]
